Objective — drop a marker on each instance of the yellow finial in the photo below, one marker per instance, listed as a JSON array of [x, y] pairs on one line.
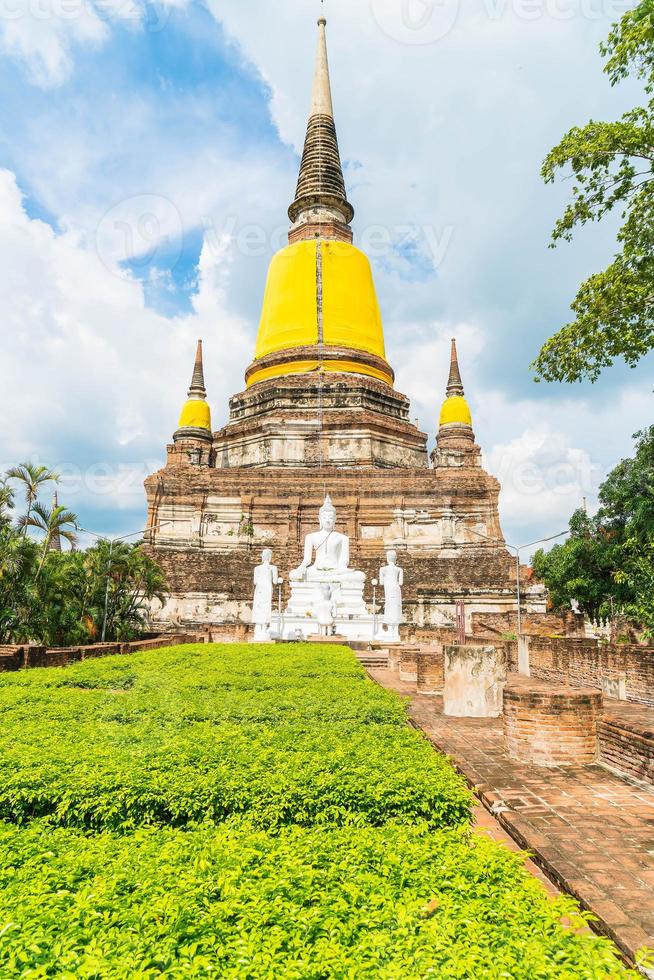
[[196, 413], [455, 410]]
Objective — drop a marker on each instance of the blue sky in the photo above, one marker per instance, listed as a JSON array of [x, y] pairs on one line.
[[148, 154]]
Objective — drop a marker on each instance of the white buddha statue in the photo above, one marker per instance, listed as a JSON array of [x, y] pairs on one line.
[[266, 577], [326, 552], [391, 577]]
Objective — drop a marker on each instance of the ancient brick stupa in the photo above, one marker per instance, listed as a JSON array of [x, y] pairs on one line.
[[319, 414]]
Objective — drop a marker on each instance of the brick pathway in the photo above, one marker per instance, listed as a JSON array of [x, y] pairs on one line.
[[592, 832]]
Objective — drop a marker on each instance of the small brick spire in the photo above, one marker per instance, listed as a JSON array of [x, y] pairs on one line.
[[195, 419], [197, 389], [454, 384], [320, 194]]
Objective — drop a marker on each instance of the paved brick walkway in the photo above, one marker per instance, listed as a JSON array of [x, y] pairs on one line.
[[592, 832]]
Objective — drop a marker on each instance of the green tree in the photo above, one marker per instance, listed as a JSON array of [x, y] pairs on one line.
[[18, 596], [612, 165], [637, 578], [582, 570], [61, 618], [32, 478], [627, 494], [124, 578], [607, 564], [56, 598], [51, 521], [6, 503]]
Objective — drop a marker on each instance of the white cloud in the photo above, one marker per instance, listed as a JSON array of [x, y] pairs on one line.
[[41, 35], [87, 371]]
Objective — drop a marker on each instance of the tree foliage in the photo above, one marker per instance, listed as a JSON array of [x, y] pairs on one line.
[[612, 166], [58, 598], [607, 564]]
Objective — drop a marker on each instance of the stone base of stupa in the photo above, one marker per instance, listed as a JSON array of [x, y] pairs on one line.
[[218, 521]]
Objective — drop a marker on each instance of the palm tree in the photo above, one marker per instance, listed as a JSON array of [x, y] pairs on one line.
[[6, 502], [15, 554], [55, 521], [32, 477]]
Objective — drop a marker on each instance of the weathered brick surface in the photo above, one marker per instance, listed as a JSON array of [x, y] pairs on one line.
[[231, 633], [626, 739], [585, 662], [430, 671], [18, 657], [408, 666], [551, 726], [535, 624], [205, 552], [11, 658]]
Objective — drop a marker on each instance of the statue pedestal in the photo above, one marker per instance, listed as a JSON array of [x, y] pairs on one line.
[[351, 619], [348, 594]]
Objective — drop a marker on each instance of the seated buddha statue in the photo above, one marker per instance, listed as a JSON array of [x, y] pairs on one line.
[[326, 552]]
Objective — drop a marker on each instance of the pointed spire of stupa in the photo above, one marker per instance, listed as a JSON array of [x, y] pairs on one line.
[[55, 540], [455, 410], [454, 384], [197, 388], [196, 414], [320, 199], [321, 96]]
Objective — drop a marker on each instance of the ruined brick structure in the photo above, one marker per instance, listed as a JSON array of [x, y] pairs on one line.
[[320, 414], [551, 726]]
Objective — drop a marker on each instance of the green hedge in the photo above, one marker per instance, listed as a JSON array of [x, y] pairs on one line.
[[252, 812], [234, 902], [286, 735]]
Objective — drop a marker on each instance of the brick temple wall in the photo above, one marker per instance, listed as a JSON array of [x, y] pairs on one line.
[[537, 624], [628, 749], [27, 657], [431, 671], [216, 521], [586, 662]]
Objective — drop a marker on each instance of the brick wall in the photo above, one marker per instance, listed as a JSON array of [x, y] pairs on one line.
[[18, 657], [231, 633], [629, 750], [409, 665], [203, 560], [431, 671], [535, 624], [586, 663]]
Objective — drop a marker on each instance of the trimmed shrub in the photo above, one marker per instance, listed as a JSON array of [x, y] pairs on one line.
[[234, 902], [252, 813], [194, 734]]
